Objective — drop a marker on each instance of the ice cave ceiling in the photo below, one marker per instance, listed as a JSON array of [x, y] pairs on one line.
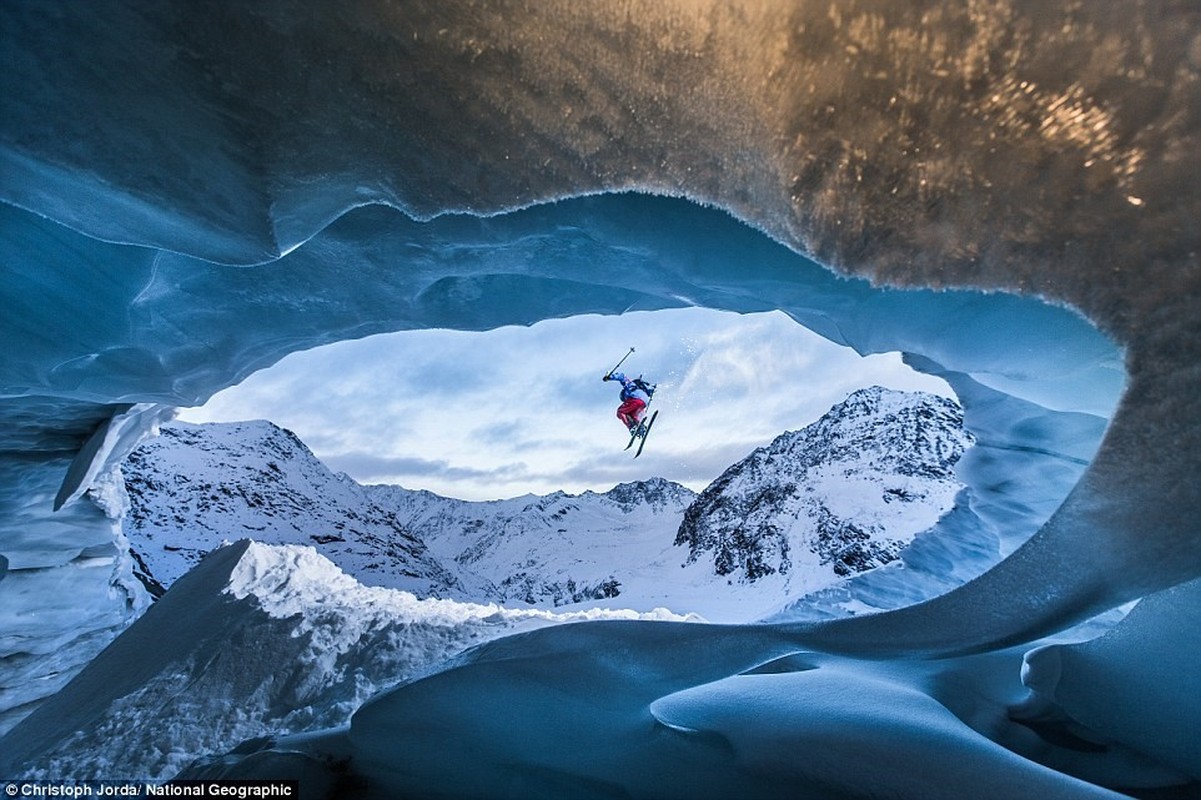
[[194, 190]]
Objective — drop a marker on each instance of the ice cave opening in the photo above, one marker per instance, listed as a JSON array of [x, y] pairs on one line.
[[359, 168], [178, 329], [172, 330]]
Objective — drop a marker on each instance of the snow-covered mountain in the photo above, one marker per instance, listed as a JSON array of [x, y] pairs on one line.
[[554, 550], [194, 487], [837, 498], [842, 496]]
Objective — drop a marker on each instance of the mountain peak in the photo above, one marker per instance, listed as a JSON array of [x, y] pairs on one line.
[[196, 486], [841, 494], [658, 493]]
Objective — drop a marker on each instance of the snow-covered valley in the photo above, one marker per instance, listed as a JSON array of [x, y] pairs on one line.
[[852, 490]]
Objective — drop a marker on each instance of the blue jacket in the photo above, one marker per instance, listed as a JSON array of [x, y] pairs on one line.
[[629, 388]]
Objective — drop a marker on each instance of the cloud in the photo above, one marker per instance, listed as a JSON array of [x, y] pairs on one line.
[[523, 409], [374, 468], [702, 466], [498, 433]]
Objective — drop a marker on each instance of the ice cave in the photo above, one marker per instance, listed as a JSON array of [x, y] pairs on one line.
[[1005, 192]]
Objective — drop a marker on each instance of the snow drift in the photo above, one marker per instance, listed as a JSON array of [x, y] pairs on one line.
[[1037, 149]]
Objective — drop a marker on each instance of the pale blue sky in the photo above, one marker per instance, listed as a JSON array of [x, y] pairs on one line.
[[523, 410]]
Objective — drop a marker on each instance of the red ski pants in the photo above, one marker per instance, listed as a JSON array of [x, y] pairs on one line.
[[630, 412]]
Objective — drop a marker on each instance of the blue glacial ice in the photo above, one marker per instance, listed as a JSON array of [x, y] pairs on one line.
[[1006, 193]]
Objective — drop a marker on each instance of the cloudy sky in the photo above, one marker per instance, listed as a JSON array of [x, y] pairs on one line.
[[523, 410]]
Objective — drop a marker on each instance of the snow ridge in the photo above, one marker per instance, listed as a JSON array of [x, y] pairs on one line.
[[256, 641]]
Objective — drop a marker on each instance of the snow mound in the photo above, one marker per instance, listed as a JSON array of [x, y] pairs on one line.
[[256, 641], [639, 709], [1133, 693]]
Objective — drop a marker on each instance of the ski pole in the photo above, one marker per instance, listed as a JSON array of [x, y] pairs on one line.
[[619, 363]]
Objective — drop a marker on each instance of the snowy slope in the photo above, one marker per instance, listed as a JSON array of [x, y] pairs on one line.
[[255, 641]]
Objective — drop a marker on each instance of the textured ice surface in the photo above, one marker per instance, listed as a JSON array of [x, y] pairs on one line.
[[1136, 687], [1045, 149]]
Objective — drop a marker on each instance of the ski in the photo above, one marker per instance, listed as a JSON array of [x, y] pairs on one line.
[[645, 431], [638, 431], [633, 436]]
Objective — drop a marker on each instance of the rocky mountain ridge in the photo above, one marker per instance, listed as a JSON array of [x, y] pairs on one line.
[[196, 486], [848, 492]]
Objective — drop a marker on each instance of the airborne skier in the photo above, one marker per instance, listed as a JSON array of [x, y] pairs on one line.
[[635, 397]]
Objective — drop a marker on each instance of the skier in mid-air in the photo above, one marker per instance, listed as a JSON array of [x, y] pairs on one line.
[[635, 397]]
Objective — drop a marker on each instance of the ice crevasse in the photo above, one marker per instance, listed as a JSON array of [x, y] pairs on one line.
[[1008, 193]]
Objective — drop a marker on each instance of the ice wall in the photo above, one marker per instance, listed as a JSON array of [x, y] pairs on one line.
[[1044, 149], [152, 327]]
